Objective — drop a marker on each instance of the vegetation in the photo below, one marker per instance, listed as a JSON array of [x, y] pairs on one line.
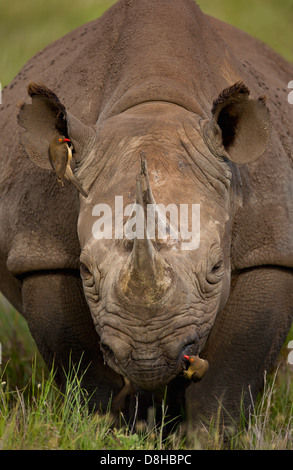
[[33, 413]]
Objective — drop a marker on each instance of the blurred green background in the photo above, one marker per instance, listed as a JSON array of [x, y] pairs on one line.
[[28, 26]]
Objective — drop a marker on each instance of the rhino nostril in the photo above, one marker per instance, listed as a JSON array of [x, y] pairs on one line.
[[107, 352], [190, 349]]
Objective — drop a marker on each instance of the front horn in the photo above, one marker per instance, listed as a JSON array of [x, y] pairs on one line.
[[146, 274]]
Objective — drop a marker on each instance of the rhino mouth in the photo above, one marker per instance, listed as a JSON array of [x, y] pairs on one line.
[[151, 374]]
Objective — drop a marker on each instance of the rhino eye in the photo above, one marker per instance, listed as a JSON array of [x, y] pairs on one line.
[[84, 271], [216, 273], [217, 267]]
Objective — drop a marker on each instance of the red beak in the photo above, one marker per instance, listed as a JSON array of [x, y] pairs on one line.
[[66, 140], [187, 357]]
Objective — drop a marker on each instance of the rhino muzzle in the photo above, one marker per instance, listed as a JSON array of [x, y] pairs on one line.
[[150, 371]]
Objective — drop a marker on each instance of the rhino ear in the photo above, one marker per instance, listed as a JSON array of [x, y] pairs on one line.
[[240, 127], [46, 118]]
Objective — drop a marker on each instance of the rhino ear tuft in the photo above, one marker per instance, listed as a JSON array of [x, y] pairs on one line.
[[240, 127], [43, 120]]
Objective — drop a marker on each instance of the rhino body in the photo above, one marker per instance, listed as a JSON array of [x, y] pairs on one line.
[[163, 105]]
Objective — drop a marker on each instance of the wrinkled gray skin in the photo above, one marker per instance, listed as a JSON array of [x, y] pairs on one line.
[[141, 86]]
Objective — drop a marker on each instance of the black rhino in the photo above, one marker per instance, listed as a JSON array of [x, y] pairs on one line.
[[164, 107]]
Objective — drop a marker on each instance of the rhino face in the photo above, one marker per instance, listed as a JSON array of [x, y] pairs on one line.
[[153, 289], [154, 299]]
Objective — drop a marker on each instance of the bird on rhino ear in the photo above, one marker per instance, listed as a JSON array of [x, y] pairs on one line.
[[46, 121], [240, 127], [60, 155]]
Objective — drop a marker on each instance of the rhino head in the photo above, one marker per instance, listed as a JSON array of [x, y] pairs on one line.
[[155, 231]]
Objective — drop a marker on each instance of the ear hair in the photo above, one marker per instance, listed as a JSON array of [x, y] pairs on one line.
[[240, 127], [40, 90], [236, 93]]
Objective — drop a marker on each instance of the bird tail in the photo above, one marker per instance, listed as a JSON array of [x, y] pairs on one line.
[[78, 186], [75, 181]]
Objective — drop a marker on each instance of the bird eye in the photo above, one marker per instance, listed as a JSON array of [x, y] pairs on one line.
[[60, 140]]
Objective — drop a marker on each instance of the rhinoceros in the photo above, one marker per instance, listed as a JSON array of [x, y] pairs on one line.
[[163, 109]]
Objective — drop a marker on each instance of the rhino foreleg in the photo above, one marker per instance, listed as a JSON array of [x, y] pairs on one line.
[[244, 342], [60, 322]]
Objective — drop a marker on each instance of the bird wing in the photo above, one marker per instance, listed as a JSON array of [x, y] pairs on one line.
[[59, 163]]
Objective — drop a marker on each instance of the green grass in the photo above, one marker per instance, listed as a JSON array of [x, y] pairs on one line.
[[27, 27], [270, 21], [34, 414]]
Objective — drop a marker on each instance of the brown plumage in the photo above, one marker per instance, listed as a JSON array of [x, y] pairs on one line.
[[60, 156], [196, 369]]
